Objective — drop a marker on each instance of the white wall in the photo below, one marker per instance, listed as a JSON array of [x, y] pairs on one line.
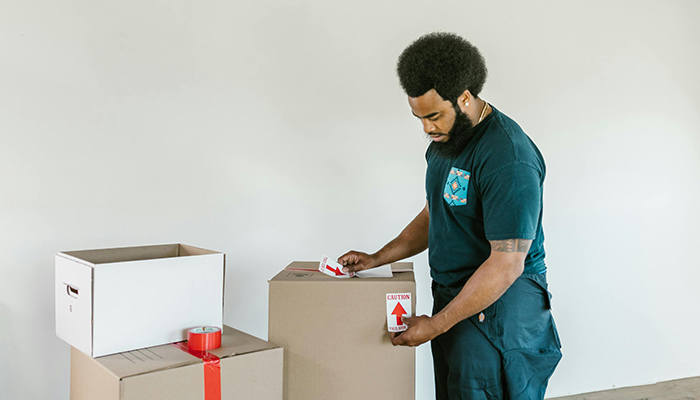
[[277, 131]]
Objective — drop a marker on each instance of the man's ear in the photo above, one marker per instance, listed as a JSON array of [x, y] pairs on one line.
[[464, 100]]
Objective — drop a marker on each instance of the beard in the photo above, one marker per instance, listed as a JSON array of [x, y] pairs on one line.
[[459, 135]]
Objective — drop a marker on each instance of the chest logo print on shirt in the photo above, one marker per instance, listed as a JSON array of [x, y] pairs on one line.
[[455, 193]]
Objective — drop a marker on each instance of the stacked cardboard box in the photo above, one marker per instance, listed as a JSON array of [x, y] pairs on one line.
[[250, 368], [122, 309], [334, 334], [126, 306]]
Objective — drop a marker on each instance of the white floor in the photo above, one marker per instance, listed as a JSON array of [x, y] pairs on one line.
[[682, 389]]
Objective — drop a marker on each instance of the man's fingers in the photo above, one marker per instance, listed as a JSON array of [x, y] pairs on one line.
[[353, 261], [396, 339], [354, 267], [349, 258], [345, 259], [414, 335]]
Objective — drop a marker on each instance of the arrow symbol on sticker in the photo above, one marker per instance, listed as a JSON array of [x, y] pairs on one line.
[[337, 271], [399, 312]]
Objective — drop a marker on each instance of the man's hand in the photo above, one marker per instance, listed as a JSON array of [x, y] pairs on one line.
[[420, 330], [354, 261]]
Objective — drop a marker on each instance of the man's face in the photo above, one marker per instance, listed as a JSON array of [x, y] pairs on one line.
[[444, 123], [436, 114]]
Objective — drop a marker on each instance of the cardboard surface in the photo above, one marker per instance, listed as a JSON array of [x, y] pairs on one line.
[[114, 300], [251, 368], [334, 334]]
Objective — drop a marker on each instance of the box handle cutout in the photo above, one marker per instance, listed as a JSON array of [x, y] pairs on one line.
[[72, 291]]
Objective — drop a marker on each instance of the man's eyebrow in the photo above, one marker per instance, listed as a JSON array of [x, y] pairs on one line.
[[426, 116]]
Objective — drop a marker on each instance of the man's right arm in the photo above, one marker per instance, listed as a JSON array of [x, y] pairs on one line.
[[411, 241]]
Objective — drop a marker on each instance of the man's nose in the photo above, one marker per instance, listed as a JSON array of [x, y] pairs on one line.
[[428, 126]]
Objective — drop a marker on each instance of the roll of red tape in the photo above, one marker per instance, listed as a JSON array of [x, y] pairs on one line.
[[204, 338]]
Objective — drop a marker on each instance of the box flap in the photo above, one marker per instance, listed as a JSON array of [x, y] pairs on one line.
[[146, 360], [308, 270], [141, 361], [402, 266]]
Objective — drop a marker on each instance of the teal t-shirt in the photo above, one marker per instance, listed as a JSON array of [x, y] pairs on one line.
[[491, 191]]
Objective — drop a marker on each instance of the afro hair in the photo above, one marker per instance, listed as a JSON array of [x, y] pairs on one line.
[[444, 62]]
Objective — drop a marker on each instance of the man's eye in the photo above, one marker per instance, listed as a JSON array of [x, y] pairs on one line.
[[435, 118]]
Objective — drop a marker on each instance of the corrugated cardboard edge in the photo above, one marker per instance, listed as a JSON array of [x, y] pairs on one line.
[[66, 255], [138, 253], [92, 312], [223, 291]]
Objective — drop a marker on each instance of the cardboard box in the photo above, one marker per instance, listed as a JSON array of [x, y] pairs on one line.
[[335, 337], [250, 368], [114, 300]]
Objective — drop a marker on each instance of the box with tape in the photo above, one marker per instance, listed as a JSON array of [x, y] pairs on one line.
[[243, 367], [335, 336], [120, 299]]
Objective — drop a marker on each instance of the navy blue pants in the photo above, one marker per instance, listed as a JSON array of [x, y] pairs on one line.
[[508, 353]]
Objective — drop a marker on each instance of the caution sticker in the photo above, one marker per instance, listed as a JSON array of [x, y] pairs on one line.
[[397, 305]]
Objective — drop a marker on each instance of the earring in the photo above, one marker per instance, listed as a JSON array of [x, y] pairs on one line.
[[466, 103]]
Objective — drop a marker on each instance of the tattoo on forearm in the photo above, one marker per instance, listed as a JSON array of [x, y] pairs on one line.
[[511, 245]]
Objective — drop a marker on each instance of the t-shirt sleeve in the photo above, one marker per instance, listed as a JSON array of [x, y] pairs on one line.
[[511, 199]]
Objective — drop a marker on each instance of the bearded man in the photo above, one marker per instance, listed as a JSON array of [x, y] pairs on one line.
[[491, 331]]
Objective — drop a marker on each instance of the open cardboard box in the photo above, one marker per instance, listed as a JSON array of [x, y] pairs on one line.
[[120, 299]]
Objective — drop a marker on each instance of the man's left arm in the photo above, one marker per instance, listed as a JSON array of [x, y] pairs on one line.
[[488, 283]]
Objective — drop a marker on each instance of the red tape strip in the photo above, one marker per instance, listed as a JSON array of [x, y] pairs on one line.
[[212, 371]]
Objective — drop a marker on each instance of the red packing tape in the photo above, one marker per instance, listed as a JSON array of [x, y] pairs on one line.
[[204, 338], [212, 371], [212, 364]]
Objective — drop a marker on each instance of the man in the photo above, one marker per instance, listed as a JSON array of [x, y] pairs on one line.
[[492, 333]]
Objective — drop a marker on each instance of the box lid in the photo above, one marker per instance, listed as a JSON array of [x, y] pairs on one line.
[[147, 360]]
